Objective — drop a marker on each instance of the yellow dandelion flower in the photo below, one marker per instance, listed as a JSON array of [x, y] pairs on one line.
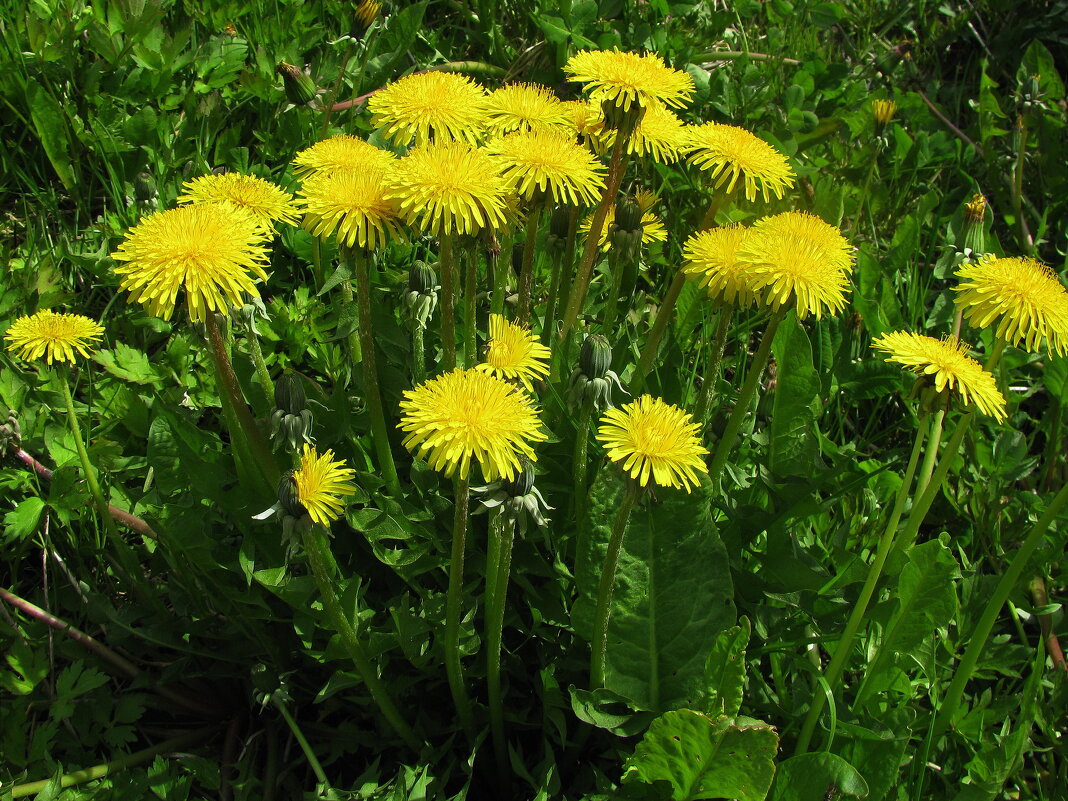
[[367, 12], [948, 361], [883, 111], [430, 106], [540, 162], [660, 135], [711, 258], [338, 153], [653, 229], [629, 78], [449, 187], [799, 259], [321, 484], [265, 200], [469, 414], [352, 204], [1024, 297], [525, 107], [214, 251], [514, 353], [54, 335], [730, 153], [654, 439], [583, 116]]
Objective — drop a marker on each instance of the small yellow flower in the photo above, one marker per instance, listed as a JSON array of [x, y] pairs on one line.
[[514, 353], [322, 483], [353, 204], [975, 209], [711, 258], [948, 361], [547, 162], [54, 335], [797, 258], [730, 153], [1022, 295], [629, 78], [265, 200], [525, 107], [469, 414], [367, 12], [883, 111], [653, 439], [338, 153], [430, 106], [214, 251]]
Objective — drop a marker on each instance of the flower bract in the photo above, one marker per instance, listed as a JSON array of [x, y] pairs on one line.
[[711, 258], [212, 251], [654, 439], [265, 200], [536, 162], [653, 229], [948, 362], [351, 205], [54, 335], [430, 106], [321, 484], [514, 353], [470, 415], [730, 154], [797, 258], [338, 153], [1022, 296], [629, 78]]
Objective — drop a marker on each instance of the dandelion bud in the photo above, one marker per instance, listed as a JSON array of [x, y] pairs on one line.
[[289, 497], [592, 380], [622, 120], [10, 433], [883, 112], [523, 481], [975, 225], [421, 297], [292, 420], [367, 12], [595, 358], [628, 215], [289, 395], [558, 225], [421, 278], [144, 188], [299, 86]]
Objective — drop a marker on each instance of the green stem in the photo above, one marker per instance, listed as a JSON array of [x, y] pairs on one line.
[[498, 569], [981, 631], [842, 651], [745, 397], [715, 356], [582, 439], [498, 270], [448, 307], [931, 456], [526, 271], [865, 188], [261, 366], [554, 287], [454, 607], [418, 356], [320, 560], [656, 333], [302, 741], [599, 653], [470, 294], [368, 362]]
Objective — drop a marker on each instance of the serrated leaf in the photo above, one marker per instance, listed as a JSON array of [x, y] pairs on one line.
[[721, 689], [705, 758], [22, 521], [28, 667], [128, 364], [74, 681], [794, 441], [816, 777]]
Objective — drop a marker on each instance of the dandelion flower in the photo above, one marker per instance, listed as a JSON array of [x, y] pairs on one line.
[[1022, 295], [711, 258], [321, 484], [660, 135], [800, 259], [948, 361], [426, 106], [449, 187], [214, 251], [469, 414], [583, 116], [514, 353], [882, 112], [654, 438], [629, 78], [525, 107], [652, 226], [54, 335], [352, 204], [265, 200], [537, 162], [338, 153], [729, 153]]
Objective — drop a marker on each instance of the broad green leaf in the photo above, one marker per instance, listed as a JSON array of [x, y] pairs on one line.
[[1037, 60], [720, 692], [794, 445], [607, 710], [22, 521], [128, 364], [815, 777], [50, 125], [705, 758]]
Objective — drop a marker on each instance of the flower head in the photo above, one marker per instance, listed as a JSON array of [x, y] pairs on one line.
[[469, 414], [535, 162], [729, 153], [214, 251], [883, 111], [629, 78], [652, 226], [449, 187], [525, 107], [1022, 295], [800, 259], [430, 106], [711, 258], [948, 361], [352, 204], [514, 353], [265, 200], [654, 438], [321, 484], [340, 153], [53, 335]]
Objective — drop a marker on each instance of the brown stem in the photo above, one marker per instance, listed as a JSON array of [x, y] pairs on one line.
[[1045, 621]]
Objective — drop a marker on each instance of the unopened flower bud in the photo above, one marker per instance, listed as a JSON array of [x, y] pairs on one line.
[[621, 120], [289, 395], [299, 86], [421, 278], [595, 358], [558, 225], [523, 481], [288, 497], [975, 225], [367, 12], [882, 112], [628, 215]]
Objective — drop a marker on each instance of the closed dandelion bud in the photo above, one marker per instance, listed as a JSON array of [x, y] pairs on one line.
[[592, 380], [975, 225], [523, 481], [422, 278], [367, 12], [558, 225], [421, 297], [144, 188], [595, 358], [289, 395], [299, 86], [883, 112], [289, 497], [628, 215], [292, 420], [621, 120]]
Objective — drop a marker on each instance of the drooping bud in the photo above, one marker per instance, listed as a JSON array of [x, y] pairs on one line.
[[299, 86]]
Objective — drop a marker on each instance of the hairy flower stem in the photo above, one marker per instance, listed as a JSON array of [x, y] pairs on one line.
[[418, 356], [453, 608], [745, 398], [526, 271], [557, 256], [498, 570], [357, 260], [321, 561], [448, 305], [261, 366], [842, 651], [470, 312], [599, 646], [715, 357], [498, 271], [582, 440]]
